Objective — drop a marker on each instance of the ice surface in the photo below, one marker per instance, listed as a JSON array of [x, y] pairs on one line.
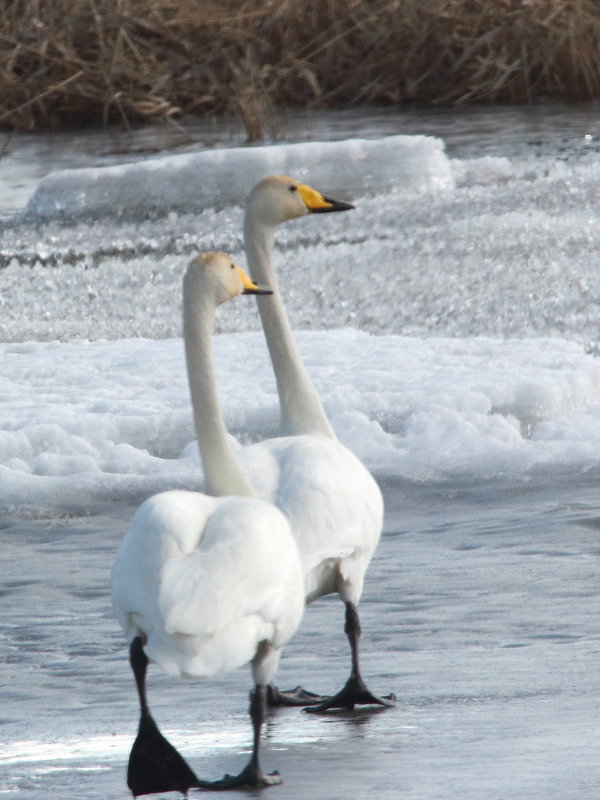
[[480, 611]]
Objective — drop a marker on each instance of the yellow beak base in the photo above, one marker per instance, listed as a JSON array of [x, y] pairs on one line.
[[249, 286], [317, 203]]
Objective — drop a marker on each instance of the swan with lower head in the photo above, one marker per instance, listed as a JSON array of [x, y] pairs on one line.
[[334, 505], [203, 583]]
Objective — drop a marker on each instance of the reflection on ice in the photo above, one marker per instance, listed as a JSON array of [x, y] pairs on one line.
[[117, 746], [34, 751], [48, 755]]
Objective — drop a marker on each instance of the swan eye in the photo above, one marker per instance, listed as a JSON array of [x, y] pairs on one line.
[[232, 265], [293, 188]]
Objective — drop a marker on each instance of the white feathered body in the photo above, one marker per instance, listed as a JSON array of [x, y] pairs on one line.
[[333, 505], [206, 580]]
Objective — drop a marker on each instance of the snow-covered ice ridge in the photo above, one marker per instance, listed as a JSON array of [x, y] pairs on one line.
[[91, 420], [218, 178]]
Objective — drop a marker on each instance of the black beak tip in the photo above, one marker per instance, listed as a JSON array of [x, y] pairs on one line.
[[258, 290], [334, 205]]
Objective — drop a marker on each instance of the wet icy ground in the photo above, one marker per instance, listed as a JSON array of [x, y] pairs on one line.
[[480, 612]]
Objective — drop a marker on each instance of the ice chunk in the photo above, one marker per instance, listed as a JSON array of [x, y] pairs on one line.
[[193, 181]]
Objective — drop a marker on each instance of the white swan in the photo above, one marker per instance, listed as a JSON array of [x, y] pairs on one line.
[[333, 504], [204, 584]]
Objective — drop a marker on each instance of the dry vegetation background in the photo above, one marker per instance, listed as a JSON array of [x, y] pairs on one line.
[[68, 62]]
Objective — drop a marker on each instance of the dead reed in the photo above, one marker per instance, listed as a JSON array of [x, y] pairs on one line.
[[71, 62]]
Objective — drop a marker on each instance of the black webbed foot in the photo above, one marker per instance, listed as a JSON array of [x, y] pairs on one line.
[[155, 765], [354, 693], [292, 697]]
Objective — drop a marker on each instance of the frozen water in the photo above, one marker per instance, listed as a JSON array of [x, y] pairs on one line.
[[451, 328]]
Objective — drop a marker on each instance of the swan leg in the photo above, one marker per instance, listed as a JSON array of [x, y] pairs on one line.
[[355, 691], [252, 775], [154, 764], [292, 697]]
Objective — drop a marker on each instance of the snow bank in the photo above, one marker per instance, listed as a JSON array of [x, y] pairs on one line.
[[218, 178]]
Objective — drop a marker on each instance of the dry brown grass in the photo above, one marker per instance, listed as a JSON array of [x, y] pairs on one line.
[[65, 62]]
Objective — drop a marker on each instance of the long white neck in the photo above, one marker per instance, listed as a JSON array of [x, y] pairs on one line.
[[223, 473], [300, 406]]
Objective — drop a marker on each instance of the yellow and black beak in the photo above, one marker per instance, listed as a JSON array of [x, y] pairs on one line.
[[316, 203], [249, 286], [256, 289]]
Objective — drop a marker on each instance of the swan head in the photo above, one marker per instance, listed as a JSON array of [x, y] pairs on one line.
[[278, 198], [217, 274]]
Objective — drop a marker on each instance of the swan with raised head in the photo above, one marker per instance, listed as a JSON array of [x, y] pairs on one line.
[[202, 583], [334, 505]]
